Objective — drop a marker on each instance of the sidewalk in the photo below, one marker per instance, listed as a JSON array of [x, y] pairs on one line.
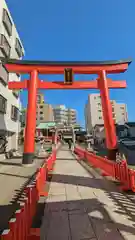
[[13, 177], [83, 205]]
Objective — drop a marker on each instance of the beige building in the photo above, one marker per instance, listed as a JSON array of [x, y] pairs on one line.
[[94, 114], [44, 110]]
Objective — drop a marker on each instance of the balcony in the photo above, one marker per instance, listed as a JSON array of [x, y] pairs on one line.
[[18, 48], [3, 104], [14, 113], [4, 75], [15, 93], [7, 22], [4, 46]]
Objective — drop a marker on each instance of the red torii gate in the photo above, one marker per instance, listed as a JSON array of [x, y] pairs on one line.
[[101, 68]]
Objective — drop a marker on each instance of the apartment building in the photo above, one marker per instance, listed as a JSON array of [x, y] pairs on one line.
[[64, 115], [94, 114], [71, 116], [60, 114], [44, 110], [10, 107]]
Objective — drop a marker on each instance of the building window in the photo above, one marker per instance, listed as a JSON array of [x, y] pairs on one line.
[[4, 75], [4, 46], [14, 113], [38, 99], [113, 115], [3, 104], [41, 112], [18, 47], [41, 106], [7, 22], [100, 118], [20, 118], [41, 118], [99, 110], [15, 93]]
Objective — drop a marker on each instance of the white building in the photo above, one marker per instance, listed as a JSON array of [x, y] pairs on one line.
[[71, 115], [94, 114], [10, 47], [60, 114], [64, 115]]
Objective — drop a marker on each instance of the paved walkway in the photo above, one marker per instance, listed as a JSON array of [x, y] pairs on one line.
[[82, 205]]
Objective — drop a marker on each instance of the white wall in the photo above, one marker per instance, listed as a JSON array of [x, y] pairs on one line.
[[14, 31], [6, 123], [92, 107], [121, 115]]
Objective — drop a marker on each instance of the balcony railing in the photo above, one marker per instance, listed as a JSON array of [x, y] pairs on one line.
[[15, 93], [4, 46], [14, 113], [3, 104], [7, 22], [4, 75]]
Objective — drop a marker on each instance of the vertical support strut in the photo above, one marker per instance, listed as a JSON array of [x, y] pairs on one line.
[[111, 139], [55, 136], [29, 144]]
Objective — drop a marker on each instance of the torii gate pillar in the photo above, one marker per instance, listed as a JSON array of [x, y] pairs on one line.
[[29, 143], [109, 126]]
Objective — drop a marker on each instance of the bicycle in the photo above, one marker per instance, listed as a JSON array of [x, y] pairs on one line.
[[3, 147]]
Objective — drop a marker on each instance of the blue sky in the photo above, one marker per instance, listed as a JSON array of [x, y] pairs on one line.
[[79, 30]]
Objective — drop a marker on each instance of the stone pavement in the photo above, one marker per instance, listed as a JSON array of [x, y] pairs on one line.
[[82, 205], [13, 177]]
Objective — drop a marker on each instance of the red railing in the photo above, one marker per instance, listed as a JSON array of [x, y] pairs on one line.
[[118, 171], [20, 225]]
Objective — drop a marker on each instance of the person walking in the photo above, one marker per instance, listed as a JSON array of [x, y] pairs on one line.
[[70, 143]]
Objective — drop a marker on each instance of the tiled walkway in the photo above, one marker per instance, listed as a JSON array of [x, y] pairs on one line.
[[82, 205]]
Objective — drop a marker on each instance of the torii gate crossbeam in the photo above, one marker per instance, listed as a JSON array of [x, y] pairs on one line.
[[101, 68]]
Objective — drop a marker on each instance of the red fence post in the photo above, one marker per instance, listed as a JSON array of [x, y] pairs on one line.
[[22, 205], [118, 170], [13, 228], [18, 223], [132, 179], [6, 235]]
